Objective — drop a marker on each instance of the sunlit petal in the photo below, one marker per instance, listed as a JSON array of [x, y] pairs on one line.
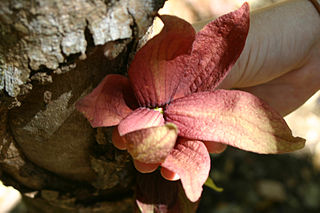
[[215, 50], [235, 118], [152, 145], [141, 118], [153, 76], [191, 161]]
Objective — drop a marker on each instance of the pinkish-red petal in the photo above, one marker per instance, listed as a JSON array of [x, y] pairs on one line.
[[153, 77], [118, 141], [191, 161], [169, 175], [215, 50], [144, 167], [214, 147], [234, 118], [141, 118], [105, 105], [152, 145]]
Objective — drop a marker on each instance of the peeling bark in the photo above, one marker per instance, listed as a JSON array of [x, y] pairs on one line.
[[52, 52]]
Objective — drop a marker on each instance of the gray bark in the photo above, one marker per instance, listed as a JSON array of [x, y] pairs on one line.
[[52, 52]]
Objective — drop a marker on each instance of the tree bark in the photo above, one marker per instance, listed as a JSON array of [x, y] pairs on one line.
[[52, 52]]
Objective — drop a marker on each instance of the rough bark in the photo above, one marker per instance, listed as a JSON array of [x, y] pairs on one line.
[[52, 52]]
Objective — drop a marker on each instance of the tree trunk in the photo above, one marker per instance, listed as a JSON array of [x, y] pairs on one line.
[[52, 52]]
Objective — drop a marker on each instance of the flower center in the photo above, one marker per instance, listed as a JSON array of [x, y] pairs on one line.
[[159, 109]]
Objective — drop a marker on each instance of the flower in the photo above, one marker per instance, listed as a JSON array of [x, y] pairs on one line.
[[170, 104]]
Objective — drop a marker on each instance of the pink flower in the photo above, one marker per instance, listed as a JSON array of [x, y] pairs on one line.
[[170, 105]]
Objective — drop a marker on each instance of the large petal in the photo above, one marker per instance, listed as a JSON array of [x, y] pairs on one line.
[[153, 77], [106, 105], [152, 145], [234, 118], [141, 118], [215, 50], [191, 161]]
